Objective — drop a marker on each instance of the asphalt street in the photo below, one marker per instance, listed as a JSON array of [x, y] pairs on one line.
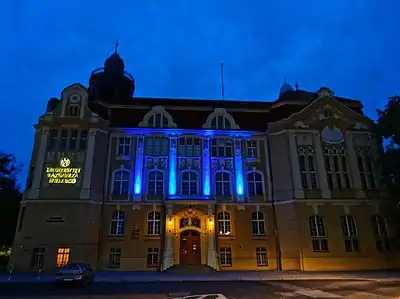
[[207, 290]]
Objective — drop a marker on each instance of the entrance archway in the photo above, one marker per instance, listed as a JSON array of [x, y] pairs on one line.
[[190, 251]]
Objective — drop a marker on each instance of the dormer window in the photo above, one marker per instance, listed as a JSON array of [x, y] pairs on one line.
[[158, 120], [220, 119], [220, 122], [157, 117]]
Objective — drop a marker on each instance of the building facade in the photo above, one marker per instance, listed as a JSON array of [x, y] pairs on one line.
[[131, 183]]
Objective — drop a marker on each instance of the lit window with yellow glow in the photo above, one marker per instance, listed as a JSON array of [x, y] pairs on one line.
[[63, 256]]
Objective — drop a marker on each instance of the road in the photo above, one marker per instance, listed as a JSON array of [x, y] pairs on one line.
[[208, 290]]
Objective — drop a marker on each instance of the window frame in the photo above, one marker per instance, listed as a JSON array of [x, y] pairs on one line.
[[222, 172], [153, 182], [117, 223], [254, 183], [182, 182], [154, 223], [224, 222], [260, 223], [122, 181]]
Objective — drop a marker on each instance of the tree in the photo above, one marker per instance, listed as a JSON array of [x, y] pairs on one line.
[[10, 198], [388, 131]]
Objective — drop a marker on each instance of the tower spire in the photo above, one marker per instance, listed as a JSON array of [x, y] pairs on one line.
[[116, 46]]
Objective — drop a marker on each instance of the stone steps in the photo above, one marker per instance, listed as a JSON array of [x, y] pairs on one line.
[[190, 269]]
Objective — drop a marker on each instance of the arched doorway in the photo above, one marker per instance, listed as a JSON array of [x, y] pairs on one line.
[[190, 252]]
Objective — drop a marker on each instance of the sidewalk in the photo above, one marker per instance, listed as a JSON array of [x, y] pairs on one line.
[[118, 277]]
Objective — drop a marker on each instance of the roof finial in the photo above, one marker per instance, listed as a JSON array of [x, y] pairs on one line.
[[116, 46], [284, 80]]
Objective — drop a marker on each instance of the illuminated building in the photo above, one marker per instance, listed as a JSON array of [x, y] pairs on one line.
[[131, 183]]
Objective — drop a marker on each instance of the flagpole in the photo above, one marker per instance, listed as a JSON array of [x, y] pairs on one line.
[[222, 81]]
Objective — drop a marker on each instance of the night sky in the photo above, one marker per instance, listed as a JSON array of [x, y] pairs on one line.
[[174, 49]]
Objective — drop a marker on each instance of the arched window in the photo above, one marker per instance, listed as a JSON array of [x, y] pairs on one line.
[[255, 183], [117, 224], [158, 120], [154, 223], [220, 122], [223, 185], [224, 223], [189, 183], [121, 184], [155, 182], [350, 233], [318, 233], [258, 223], [157, 117]]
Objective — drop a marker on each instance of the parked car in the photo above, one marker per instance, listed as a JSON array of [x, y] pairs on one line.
[[76, 273]]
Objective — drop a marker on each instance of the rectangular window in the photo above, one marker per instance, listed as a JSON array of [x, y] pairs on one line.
[[62, 256], [156, 146], [225, 255], [83, 140], [365, 167], [72, 141], [382, 240], [221, 147], [320, 245], [124, 146], [152, 257], [114, 258], [21, 219], [64, 139], [189, 146], [308, 172], [351, 245], [38, 258], [252, 148], [261, 256], [53, 142]]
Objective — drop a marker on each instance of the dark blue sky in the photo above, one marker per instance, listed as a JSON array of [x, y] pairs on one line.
[[174, 49]]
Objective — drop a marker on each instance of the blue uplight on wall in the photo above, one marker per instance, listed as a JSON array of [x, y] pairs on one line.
[[206, 167], [138, 166], [239, 169], [172, 166]]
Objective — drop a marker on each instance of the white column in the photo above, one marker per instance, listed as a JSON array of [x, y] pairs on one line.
[[172, 166], [87, 176], [168, 260], [298, 190], [39, 163], [206, 167], [352, 160], [138, 179], [212, 261], [239, 184], [321, 172]]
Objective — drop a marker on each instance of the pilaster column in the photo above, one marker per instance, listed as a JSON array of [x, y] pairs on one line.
[[172, 166], [87, 176], [352, 160], [206, 167], [297, 188], [168, 247], [39, 163], [138, 180], [211, 251], [239, 170], [321, 172]]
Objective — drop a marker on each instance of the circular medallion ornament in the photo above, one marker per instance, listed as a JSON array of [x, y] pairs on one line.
[[65, 162], [74, 99]]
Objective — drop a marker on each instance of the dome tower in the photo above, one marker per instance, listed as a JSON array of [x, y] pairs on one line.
[[111, 83]]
